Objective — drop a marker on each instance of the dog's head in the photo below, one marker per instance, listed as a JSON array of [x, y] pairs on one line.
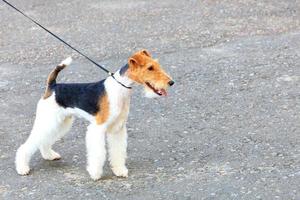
[[145, 70]]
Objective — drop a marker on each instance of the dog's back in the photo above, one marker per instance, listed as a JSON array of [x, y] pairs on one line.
[[84, 96]]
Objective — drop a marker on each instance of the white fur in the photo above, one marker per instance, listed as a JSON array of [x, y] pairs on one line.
[[53, 122], [81, 114], [50, 125], [149, 93], [67, 61], [117, 145], [96, 153]]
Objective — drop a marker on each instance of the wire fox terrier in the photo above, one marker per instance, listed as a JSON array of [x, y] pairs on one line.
[[105, 104]]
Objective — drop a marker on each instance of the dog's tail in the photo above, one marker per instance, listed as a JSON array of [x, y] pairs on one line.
[[53, 75]]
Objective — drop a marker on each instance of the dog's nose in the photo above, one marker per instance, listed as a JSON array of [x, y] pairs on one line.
[[171, 82]]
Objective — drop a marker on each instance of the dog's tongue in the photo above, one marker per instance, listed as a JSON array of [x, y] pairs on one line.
[[163, 92]]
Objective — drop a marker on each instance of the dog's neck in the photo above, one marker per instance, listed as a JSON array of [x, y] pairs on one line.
[[121, 76]]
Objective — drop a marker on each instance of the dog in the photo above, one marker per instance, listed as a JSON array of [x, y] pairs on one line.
[[105, 104]]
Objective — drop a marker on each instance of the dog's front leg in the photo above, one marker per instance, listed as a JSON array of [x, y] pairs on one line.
[[117, 145], [96, 153]]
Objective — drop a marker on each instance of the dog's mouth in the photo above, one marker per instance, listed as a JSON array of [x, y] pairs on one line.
[[160, 92]]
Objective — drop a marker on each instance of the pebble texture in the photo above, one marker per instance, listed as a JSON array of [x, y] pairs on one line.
[[229, 128]]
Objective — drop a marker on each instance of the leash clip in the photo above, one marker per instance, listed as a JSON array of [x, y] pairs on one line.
[[110, 73]]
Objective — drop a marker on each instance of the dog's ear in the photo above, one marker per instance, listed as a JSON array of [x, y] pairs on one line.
[[145, 53], [138, 59], [132, 61]]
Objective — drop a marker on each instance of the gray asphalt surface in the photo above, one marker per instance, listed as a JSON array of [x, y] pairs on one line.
[[229, 128]]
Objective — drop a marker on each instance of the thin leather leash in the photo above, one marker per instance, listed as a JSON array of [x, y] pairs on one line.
[[67, 44]]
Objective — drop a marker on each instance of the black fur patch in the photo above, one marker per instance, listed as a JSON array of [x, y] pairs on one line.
[[124, 69], [84, 96]]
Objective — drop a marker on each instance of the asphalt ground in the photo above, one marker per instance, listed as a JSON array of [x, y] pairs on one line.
[[229, 128]]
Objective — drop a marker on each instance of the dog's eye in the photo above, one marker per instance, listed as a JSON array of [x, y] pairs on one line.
[[150, 68]]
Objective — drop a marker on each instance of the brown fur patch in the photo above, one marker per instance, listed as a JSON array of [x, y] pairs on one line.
[[47, 93], [103, 113], [51, 78]]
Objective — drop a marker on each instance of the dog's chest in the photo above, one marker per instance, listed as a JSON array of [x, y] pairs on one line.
[[118, 110]]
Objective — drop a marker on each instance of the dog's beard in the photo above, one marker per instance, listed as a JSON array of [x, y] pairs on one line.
[[149, 93]]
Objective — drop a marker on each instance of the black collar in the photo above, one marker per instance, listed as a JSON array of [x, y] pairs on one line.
[[122, 72]]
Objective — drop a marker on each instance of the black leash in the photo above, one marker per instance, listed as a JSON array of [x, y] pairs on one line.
[[41, 26]]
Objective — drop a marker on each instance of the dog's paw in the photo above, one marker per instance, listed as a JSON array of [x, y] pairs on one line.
[[120, 171], [95, 174], [23, 170], [52, 155]]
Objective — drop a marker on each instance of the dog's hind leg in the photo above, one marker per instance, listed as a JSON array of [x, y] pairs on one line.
[[46, 145], [24, 154], [49, 117]]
